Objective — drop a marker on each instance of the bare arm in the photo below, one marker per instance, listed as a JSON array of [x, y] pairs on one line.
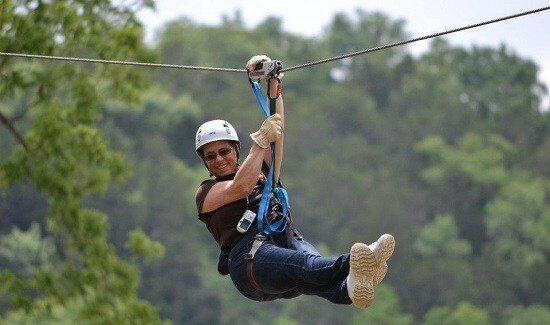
[[279, 108], [241, 186]]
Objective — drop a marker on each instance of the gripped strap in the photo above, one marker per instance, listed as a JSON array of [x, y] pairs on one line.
[[270, 188]]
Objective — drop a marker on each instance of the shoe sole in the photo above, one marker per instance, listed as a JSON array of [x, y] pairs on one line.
[[362, 264], [384, 250]]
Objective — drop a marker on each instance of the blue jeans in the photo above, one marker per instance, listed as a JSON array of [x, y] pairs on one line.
[[286, 273]]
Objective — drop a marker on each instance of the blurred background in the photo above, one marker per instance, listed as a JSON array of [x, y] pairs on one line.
[[445, 144]]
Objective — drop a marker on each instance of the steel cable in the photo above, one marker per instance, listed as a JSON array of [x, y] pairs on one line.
[[188, 67], [374, 49], [141, 64]]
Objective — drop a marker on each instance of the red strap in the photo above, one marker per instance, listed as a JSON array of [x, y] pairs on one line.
[[250, 276]]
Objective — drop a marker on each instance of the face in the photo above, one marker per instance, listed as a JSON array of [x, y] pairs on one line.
[[220, 157]]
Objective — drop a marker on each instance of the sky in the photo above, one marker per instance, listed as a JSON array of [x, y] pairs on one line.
[[528, 36]]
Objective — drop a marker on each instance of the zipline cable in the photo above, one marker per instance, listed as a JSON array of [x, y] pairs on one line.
[[374, 49], [141, 64], [188, 67]]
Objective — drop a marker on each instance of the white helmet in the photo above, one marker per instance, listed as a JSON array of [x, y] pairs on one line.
[[213, 131]]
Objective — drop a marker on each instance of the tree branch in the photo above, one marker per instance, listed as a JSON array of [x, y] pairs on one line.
[[40, 94], [9, 125]]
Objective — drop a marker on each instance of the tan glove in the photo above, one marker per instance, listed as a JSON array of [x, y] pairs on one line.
[[270, 131], [253, 62]]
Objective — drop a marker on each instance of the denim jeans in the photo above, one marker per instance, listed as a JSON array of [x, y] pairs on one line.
[[286, 273]]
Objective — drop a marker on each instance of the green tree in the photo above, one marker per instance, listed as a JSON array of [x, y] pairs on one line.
[[530, 315], [439, 239], [518, 224], [465, 178], [351, 166], [384, 310], [441, 273], [464, 314], [157, 139], [377, 74], [511, 255], [160, 114], [52, 110], [22, 252]]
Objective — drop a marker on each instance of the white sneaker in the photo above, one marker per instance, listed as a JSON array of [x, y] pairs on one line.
[[360, 279], [383, 250]]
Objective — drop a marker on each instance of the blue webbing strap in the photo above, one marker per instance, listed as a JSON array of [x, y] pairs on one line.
[[270, 188], [260, 98]]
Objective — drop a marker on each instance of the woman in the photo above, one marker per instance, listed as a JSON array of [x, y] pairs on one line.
[[272, 272]]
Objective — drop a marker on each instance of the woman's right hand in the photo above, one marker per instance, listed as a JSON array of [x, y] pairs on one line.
[[253, 62], [270, 131]]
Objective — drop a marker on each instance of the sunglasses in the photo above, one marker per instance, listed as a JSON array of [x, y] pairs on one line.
[[223, 152]]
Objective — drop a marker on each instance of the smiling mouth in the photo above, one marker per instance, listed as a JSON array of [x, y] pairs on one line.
[[222, 166]]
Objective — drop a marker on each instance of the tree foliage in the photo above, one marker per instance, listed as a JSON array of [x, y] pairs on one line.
[[448, 151], [464, 313], [62, 152]]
